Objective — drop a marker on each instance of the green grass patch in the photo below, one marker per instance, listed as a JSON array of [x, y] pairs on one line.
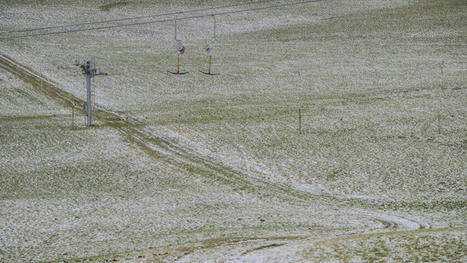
[[107, 7], [413, 246]]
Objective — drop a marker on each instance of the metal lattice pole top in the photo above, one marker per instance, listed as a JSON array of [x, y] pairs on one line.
[[88, 68]]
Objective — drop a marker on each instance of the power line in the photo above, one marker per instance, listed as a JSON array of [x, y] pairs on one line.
[[139, 17], [164, 20]]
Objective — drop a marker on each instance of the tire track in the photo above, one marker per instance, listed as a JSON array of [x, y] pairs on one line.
[[188, 159], [160, 147], [163, 148], [49, 88]]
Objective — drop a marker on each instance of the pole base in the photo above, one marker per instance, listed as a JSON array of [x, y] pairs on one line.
[[177, 73], [209, 73]]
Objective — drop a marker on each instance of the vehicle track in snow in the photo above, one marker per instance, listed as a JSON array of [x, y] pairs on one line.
[[213, 169], [240, 248], [163, 148], [157, 146]]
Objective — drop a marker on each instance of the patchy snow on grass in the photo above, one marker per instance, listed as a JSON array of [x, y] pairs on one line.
[[381, 88], [20, 99]]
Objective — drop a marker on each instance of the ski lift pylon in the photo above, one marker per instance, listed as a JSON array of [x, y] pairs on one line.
[[209, 48], [180, 50]]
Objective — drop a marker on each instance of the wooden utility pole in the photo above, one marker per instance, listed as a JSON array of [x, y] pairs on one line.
[[439, 124], [299, 121], [72, 117]]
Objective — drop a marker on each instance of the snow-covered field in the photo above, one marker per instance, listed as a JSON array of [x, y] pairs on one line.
[[212, 168]]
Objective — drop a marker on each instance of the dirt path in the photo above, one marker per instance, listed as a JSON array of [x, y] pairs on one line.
[[161, 148], [243, 247], [157, 146]]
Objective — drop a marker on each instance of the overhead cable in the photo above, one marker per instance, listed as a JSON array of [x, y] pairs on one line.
[[139, 17], [162, 20]]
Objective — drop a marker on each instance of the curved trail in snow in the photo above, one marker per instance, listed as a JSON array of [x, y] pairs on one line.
[[397, 222], [185, 157]]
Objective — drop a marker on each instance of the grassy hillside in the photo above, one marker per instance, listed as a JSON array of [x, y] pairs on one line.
[[213, 168]]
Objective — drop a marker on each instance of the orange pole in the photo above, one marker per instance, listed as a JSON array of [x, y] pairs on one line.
[[178, 64]]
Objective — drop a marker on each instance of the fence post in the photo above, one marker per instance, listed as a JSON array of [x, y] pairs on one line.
[[72, 117], [299, 121], [439, 124]]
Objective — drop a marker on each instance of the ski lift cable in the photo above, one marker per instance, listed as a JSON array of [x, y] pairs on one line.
[[139, 17], [163, 20]]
